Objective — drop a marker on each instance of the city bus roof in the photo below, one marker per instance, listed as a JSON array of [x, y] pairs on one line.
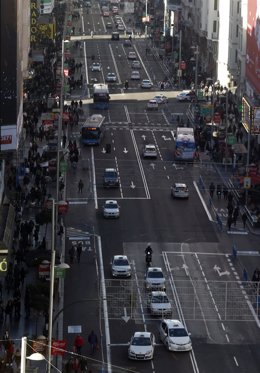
[[100, 88], [95, 120]]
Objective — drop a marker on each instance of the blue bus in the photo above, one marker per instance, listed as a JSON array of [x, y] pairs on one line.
[[185, 146], [101, 96], [92, 130]]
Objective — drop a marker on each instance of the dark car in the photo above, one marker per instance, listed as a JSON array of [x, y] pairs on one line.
[[110, 178]]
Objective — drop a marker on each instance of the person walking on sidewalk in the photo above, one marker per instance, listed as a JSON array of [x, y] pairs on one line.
[[72, 254], [211, 189], [79, 251], [229, 222], [80, 186], [244, 219], [235, 215], [93, 341], [78, 343]]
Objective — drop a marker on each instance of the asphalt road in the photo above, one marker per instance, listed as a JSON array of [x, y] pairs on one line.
[[202, 281]]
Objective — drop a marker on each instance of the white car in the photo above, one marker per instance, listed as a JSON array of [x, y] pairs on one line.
[[174, 335], [161, 99], [96, 66], [146, 83], [152, 105], [135, 75], [121, 27], [154, 279], [150, 151], [132, 56], [158, 304], [120, 266], [185, 96], [141, 346], [179, 190], [136, 64], [111, 77], [111, 209]]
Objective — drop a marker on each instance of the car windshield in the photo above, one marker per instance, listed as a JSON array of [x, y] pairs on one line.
[[155, 275], [141, 341], [181, 189], [150, 148], [110, 174], [111, 205], [121, 262], [160, 299], [178, 332]]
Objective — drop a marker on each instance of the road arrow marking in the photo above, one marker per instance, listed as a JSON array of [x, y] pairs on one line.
[[217, 269], [132, 185], [166, 138], [125, 151], [186, 269], [125, 317], [177, 167], [143, 137], [103, 150], [152, 165]]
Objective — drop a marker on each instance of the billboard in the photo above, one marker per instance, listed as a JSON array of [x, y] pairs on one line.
[[253, 44]]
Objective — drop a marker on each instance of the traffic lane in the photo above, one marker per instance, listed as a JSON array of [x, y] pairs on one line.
[[228, 358], [118, 112], [163, 360]]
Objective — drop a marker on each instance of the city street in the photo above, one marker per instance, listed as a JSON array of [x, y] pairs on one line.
[[204, 282]]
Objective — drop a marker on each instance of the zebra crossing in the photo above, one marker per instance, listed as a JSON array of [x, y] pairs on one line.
[[76, 236]]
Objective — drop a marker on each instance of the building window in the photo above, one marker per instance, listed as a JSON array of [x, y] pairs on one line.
[[237, 31], [215, 4], [238, 7], [214, 26]]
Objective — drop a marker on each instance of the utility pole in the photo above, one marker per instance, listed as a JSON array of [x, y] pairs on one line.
[[179, 69]]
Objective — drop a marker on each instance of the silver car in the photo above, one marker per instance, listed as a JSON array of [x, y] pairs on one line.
[[111, 77], [111, 209], [174, 336], [180, 190], [120, 266], [150, 151], [158, 304], [154, 279]]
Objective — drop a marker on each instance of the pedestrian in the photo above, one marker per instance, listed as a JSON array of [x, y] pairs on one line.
[[72, 254], [126, 84], [219, 191], [78, 343], [93, 341], [80, 186], [235, 215], [211, 189], [17, 358], [256, 275], [79, 251], [230, 208], [83, 365], [229, 222], [225, 192], [244, 219], [64, 139]]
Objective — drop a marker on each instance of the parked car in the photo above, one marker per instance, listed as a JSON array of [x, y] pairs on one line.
[[152, 105], [111, 209], [135, 75], [111, 78], [158, 304], [179, 190], [146, 83], [174, 335], [150, 151], [141, 346], [120, 266]]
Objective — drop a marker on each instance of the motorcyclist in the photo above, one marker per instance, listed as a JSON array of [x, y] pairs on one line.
[[148, 250], [148, 255]]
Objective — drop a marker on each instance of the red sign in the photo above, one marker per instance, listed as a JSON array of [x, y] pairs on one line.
[[58, 347], [6, 139], [183, 65], [216, 118]]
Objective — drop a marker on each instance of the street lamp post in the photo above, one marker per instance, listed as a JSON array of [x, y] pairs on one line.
[[180, 57], [35, 356]]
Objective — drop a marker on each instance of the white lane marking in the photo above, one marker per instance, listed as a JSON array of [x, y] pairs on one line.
[[157, 146], [140, 59], [120, 186], [115, 64], [139, 295], [140, 165], [104, 301], [203, 202], [235, 360], [94, 178], [127, 114]]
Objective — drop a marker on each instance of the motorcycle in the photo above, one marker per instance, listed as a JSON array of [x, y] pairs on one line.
[[148, 258]]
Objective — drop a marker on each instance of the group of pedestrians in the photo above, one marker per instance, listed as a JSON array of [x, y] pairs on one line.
[[75, 252], [79, 342], [232, 207]]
